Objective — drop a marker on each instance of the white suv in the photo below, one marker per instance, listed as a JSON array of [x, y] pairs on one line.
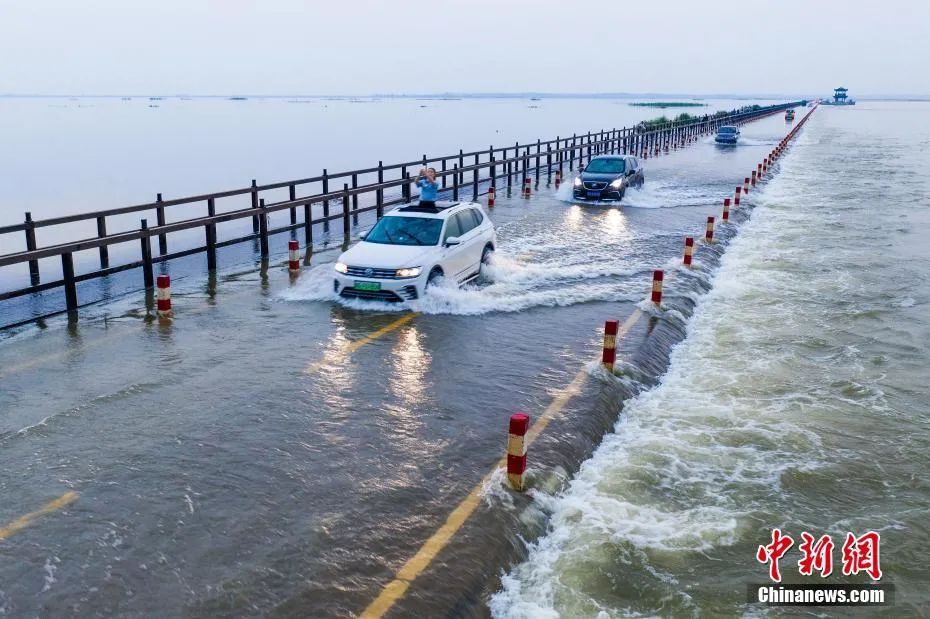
[[411, 247]]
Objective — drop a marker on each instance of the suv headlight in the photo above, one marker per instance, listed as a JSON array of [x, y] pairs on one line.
[[617, 183], [341, 267], [411, 272], [577, 181]]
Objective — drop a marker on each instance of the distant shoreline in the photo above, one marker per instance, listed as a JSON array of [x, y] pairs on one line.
[[677, 100], [664, 104]]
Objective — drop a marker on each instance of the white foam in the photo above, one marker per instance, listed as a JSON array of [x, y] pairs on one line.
[[507, 285]]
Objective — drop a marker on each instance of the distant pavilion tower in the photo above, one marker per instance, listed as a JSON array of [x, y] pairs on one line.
[[839, 95]]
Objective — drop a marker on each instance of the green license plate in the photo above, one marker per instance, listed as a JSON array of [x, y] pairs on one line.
[[370, 286]]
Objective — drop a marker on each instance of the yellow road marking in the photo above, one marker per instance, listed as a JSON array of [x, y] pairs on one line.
[[414, 566], [24, 521], [351, 348]]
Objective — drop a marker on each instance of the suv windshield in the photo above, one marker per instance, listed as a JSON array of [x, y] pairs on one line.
[[606, 166], [726, 130], [406, 231]]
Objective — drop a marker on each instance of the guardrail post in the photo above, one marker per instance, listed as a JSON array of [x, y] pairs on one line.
[[571, 155], [405, 187], [408, 188], [493, 172], [308, 226], [210, 231], [461, 167], [379, 192], [148, 272], [455, 183], [548, 164], [160, 218], [292, 196], [346, 232], [443, 169], [538, 151], [104, 250], [474, 180], [31, 246], [355, 199], [254, 192], [509, 175], [67, 272], [263, 229], [325, 180]]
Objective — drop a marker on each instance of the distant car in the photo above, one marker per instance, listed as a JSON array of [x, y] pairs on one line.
[[411, 247], [607, 178], [727, 134], [789, 115]]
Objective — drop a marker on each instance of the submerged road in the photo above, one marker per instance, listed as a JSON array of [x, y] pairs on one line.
[[273, 451]]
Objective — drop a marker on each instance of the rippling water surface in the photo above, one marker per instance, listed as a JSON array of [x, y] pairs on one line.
[[798, 400]]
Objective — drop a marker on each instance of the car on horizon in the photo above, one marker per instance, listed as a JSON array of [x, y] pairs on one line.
[[727, 134], [412, 247], [607, 177]]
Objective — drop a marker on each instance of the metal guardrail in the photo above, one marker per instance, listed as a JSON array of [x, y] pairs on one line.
[[514, 160]]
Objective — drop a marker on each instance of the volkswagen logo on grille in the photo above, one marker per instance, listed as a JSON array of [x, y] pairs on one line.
[[369, 272]]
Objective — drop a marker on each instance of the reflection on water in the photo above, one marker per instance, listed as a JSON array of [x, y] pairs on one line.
[[409, 364]]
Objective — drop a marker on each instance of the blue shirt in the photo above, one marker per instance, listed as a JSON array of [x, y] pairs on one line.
[[428, 190]]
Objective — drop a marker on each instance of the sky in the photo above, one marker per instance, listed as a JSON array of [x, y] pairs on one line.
[[310, 47]]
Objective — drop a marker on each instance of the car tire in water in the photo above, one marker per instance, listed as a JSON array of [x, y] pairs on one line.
[[434, 275], [486, 255]]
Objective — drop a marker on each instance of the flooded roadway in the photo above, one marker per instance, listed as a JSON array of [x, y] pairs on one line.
[[275, 451]]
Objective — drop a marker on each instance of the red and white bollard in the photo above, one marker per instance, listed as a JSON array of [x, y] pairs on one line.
[[726, 210], [689, 251], [657, 277], [558, 179], [609, 356], [527, 184], [163, 296], [293, 256], [645, 154], [746, 185], [709, 234], [753, 181], [759, 171], [491, 196], [516, 450], [739, 190]]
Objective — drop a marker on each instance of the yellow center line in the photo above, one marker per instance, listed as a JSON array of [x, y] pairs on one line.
[[414, 566], [352, 347], [24, 521]]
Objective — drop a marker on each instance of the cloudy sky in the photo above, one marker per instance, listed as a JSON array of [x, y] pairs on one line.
[[396, 46]]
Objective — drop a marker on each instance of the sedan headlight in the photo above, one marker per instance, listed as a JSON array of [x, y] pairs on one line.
[[411, 272], [617, 183], [577, 181], [341, 267]]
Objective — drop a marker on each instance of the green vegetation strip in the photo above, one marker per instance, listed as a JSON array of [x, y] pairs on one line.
[[684, 117]]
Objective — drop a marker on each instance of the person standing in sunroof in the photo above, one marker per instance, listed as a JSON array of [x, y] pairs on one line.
[[429, 188]]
